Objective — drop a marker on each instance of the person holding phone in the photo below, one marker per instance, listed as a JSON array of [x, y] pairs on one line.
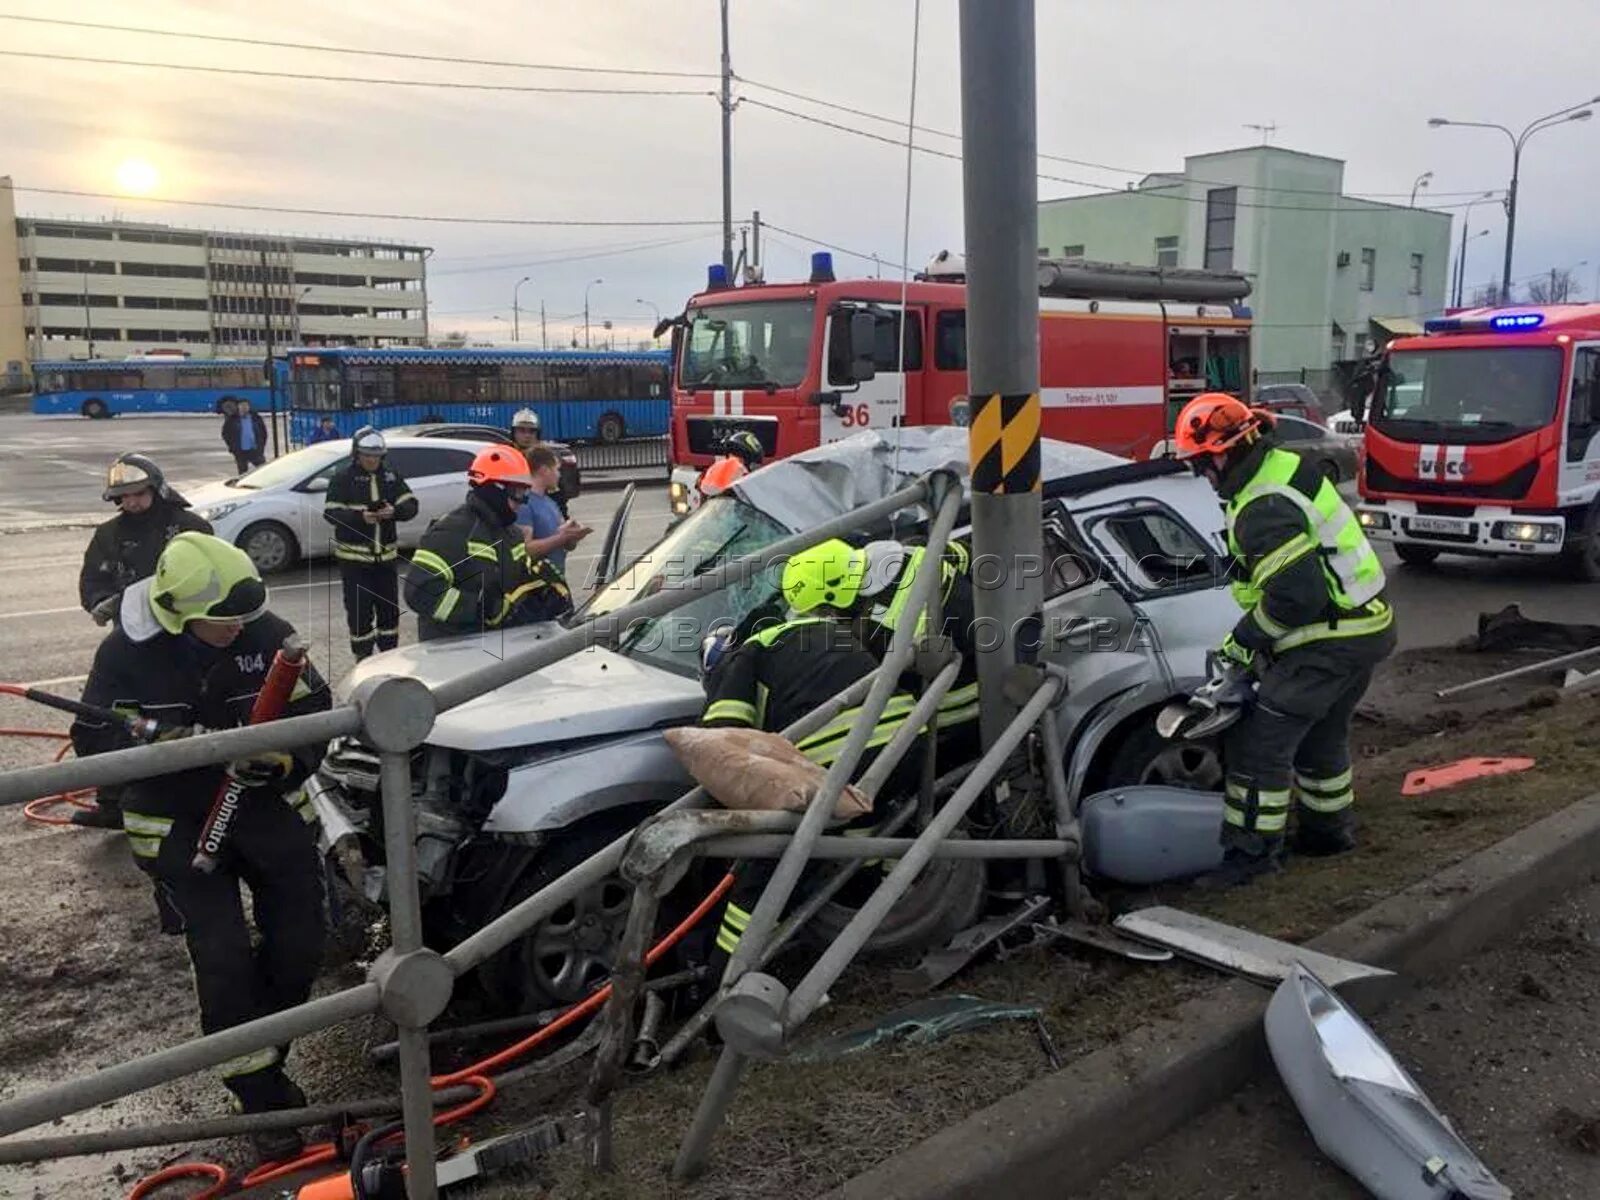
[[546, 533]]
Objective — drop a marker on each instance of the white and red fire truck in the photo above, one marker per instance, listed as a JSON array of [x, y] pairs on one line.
[[1483, 437], [804, 364]]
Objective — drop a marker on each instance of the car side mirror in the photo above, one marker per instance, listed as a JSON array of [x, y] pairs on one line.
[[863, 337]]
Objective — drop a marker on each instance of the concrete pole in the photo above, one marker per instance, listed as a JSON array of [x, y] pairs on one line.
[[1000, 192], [727, 149]]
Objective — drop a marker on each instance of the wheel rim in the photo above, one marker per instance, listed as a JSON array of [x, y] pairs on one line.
[[1192, 765], [571, 951], [268, 549]]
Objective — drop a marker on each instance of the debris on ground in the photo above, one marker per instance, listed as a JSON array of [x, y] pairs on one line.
[[1448, 775], [1508, 629], [917, 1024], [1576, 1131]]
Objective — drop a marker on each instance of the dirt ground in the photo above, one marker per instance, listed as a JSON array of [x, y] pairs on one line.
[[1507, 1046], [85, 981]]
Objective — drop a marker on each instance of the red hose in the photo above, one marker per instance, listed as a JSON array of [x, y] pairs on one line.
[[36, 810], [477, 1075], [219, 1176]]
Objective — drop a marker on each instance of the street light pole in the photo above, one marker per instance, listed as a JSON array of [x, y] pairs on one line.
[[516, 309], [1461, 259], [655, 309], [1420, 182], [727, 148], [1575, 112], [586, 288], [1459, 287]]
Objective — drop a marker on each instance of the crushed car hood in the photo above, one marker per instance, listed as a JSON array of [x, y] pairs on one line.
[[595, 693]]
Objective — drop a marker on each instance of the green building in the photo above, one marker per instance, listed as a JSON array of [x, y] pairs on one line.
[[1331, 275]]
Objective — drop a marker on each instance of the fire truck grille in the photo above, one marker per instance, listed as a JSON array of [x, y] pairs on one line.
[[706, 433], [1513, 487]]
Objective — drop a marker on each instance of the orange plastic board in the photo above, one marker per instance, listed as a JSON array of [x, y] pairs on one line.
[[1433, 779]]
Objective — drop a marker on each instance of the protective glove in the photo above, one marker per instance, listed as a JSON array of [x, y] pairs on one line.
[[714, 648], [106, 609], [262, 770], [1232, 655]]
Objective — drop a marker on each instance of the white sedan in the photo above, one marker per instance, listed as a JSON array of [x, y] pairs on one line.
[[274, 513]]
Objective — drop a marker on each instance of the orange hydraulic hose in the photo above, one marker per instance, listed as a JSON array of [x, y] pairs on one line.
[[477, 1075], [35, 810]]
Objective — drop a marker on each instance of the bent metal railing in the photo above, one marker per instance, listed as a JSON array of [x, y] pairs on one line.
[[410, 984]]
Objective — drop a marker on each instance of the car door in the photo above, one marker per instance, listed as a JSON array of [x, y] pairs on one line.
[[437, 476], [876, 403]]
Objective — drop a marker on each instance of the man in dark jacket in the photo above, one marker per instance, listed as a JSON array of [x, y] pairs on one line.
[[125, 548], [244, 433], [192, 648], [472, 570], [367, 499]]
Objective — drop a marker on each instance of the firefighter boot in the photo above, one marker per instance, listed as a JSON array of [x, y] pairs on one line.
[[269, 1090], [1321, 835], [1245, 856]]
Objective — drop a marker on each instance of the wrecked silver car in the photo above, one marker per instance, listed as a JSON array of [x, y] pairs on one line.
[[521, 784]]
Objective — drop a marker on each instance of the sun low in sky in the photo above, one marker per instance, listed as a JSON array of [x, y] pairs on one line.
[[137, 177]]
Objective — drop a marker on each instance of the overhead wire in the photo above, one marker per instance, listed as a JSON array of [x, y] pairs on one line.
[[633, 248], [1076, 162], [409, 56], [450, 84]]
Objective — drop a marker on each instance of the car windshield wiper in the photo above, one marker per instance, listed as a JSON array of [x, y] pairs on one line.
[[704, 565]]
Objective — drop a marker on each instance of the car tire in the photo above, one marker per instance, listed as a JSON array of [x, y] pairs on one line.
[[1143, 756], [566, 956], [270, 546], [1416, 556], [1582, 557], [95, 409], [947, 897], [610, 429]]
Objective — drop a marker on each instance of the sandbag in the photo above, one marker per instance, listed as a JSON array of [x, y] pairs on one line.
[[748, 769]]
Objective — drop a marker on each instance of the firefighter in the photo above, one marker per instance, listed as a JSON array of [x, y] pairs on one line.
[[741, 454], [527, 435], [779, 674], [472, 571], [367, 498], [873, 583], [125, 548], [1315, 626], [192, 650]]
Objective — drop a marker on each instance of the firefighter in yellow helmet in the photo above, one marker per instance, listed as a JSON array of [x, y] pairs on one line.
[[1314, 627]]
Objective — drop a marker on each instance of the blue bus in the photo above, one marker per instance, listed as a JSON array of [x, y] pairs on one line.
[[581, 396], [155, 384]]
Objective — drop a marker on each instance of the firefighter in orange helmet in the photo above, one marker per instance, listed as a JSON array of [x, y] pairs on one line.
[[742, 453], [472, 571], [1315, 625]]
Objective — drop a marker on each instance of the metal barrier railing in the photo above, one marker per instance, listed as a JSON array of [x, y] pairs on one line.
[[634, 452], [411, 984]]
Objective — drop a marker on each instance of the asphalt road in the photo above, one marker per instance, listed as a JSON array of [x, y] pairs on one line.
[[51, 467]]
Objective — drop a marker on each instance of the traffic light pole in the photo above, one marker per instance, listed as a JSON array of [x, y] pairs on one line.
[[1000, 191]]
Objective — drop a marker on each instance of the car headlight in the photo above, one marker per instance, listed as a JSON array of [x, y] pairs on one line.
[[216, 512], [1373, 520], [1525, 531]]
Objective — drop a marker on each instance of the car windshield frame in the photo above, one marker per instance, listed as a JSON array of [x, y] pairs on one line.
[[292, 469], [1469, 404], [718, 349], [722, 528]]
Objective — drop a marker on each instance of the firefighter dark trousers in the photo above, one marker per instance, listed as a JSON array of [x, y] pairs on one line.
[[371, 606], [1293, 749], [272, 848]]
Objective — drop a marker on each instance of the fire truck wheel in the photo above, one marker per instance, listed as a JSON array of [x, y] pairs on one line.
[[1583, 556], [1416, 556]]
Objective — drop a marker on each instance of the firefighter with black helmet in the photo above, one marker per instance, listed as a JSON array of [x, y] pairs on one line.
[[367, 499], [124, 549], [1315, 626], [192, 649], [472, 571], [742, 453]]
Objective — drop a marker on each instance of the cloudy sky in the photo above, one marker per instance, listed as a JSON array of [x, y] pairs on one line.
[[1132, 84]]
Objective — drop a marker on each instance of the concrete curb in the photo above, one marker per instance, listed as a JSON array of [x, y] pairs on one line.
[[1057, 1135]]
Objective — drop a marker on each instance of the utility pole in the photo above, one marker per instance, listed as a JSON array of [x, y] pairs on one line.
[[272, 379], [727, 148], [544, 338], [755, 238], [1000, 197], [88, 319]]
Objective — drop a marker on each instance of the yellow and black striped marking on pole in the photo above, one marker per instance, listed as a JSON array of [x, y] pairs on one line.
[[1003, 442]]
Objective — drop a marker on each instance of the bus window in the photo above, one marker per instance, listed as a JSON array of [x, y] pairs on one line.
[[164, 379]]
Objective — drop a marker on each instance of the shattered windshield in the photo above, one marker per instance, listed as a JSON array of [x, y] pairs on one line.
[[760, 344], [1484, 394], [722, 528]]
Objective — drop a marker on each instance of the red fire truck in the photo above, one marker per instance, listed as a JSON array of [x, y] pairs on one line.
[[1484, 438], [803, 364]]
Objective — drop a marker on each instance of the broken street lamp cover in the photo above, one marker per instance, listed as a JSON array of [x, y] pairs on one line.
[[1364, 1111]]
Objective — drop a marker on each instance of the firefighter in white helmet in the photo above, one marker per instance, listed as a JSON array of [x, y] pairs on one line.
[[366, 501]]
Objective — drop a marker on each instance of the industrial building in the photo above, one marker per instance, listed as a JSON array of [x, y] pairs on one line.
[[1332, 275], [108, 289]]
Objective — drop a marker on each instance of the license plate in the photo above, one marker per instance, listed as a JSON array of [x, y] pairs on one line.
[[1438, 525]]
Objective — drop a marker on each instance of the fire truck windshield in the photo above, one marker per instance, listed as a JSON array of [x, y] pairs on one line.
[[747, 345], [1469, 394]]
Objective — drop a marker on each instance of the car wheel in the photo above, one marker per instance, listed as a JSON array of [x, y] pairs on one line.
[[270, 546], [945, 899], [1416, 556], [1583, 555], [95, 410], [566, 956], [1145, 757], [610, 429]]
